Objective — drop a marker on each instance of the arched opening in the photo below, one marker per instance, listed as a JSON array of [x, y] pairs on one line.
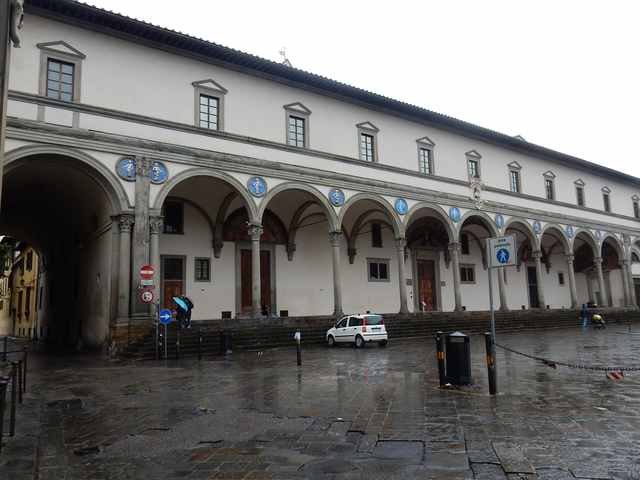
[[521, 282], [204, 233], [61, 206], [613, 273], [475, 229], [429, 235], [587, 283], [370, 272], [554, 248], [303, 262]]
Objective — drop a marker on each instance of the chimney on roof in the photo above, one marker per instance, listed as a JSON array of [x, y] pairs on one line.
[[285, 60]]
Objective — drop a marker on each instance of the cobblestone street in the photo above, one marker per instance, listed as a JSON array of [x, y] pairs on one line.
[[346, 414]]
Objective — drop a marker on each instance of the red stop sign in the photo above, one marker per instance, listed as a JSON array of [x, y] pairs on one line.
[[146, 272]]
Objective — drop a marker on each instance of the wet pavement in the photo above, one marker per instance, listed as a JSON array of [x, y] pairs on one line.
[[345, 414]]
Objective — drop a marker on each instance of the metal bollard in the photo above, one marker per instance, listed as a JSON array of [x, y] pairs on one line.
[[157, 340], [440, 357], [491, 363], [178, 341], [199, 343], [298, 338], [14, 398], [24, 370], [20, 381], [4, 381]]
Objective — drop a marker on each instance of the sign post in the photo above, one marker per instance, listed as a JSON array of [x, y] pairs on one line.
[[165, 317], [501, 252]]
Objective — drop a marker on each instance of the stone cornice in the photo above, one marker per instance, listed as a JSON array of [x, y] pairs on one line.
[[38, 132]]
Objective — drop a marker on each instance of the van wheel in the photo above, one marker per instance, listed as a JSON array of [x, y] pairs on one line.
[[331, 342], [382, 343], [359, 342]]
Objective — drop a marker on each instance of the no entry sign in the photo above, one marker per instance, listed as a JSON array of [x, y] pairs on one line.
[[146, 272]]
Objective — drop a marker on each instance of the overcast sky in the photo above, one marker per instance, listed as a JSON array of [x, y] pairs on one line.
[[563, 74]]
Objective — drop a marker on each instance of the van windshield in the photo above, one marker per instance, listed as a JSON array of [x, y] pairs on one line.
[[374, 319]]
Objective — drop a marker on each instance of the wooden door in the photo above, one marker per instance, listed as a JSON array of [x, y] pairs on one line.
[[172, 280], [427, 300], [246, 281], [532, 280]]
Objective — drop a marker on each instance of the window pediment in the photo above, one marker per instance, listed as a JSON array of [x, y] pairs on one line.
[[606, 189], [579, 183], [297, 107], [368, 126], [514, 166], [635, 198], [426, 141], [549, 174], [61, 47], [473, 154], [210, 84]]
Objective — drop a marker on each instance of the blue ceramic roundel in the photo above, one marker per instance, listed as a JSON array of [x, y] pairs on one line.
[[401, 206], [598, 234], [454, 214], [499, 221], [257, 186], [126, 169], [537, 227], [336, 197], [158, 173], [569, 231]]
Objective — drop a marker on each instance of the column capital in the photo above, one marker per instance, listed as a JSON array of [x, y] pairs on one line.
[[536, 254], [454, 247], [570, 257], [401, 243], [143, 166], [255, 231], [155, 225], [625, 262], [597, 261], [335, 238], [125, 221]]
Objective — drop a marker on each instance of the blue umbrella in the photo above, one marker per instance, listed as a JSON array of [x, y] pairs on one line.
[[181, 303]]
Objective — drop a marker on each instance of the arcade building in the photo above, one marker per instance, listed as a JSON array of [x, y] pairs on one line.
[[263, 191]]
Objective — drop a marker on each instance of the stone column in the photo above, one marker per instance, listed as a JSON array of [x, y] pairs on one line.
[[572, 281], [502, 289], [336, 239], [632, 286], [624, 271], [537, 255], [592, 294], [401, 243], [155, 229], [125, 222], [140, 232], [255, 232], [454, 251], [597, 262]]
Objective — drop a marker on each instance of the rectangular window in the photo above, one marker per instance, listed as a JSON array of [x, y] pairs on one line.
[[467, 274], [376, 235], [561, 278], [296, 133], [472, 167], [29, 261], [636, 209], [202, 269], [173, 217], [40, 298], [27, 303], [425, 161], [378, 270], [514, 180], [209, 107], [19, 303], [60, 78], [367, 147], [172, 268], [464, 244], [548, 189], [580, 196], [607, 202]]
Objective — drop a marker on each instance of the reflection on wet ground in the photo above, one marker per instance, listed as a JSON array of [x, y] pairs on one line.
[[345, 414]]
